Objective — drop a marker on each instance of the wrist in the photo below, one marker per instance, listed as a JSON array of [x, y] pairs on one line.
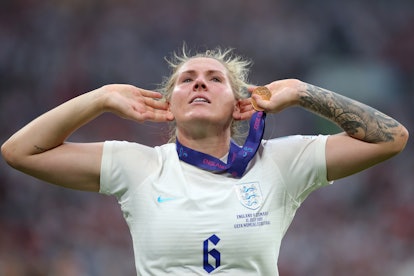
[[101, 98], [298, 89]]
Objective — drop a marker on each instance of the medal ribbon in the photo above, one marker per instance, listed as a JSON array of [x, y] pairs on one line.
[[239, 157]]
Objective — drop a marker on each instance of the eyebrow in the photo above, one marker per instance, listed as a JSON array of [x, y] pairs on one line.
[[209, 72]]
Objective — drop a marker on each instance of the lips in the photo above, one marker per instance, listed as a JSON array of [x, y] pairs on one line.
[[199, 99]]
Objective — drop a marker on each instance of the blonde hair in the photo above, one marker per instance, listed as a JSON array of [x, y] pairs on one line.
[[238, 69]]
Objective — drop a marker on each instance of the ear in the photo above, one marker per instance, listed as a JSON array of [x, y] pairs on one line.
[[240, 111]]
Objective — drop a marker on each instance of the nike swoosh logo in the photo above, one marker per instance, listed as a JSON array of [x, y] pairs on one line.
[[164, 199]]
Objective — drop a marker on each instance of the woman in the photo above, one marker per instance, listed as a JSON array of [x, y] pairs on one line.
[[203, 204]]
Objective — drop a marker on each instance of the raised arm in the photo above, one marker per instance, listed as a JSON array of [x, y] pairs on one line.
[[369, 136], [39, 149]]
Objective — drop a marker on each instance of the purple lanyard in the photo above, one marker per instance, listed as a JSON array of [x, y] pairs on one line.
[[238, 157]]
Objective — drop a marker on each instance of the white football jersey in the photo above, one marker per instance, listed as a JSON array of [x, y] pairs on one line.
[[187, 221]]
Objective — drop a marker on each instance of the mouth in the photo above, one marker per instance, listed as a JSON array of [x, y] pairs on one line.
[[199, 100]]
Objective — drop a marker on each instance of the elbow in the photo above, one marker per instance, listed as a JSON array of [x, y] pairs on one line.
[[400, 141], [393, 147], [8, 152], [403, 138], [404, 134]]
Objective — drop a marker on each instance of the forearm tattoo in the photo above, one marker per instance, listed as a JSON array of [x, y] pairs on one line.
[[356, 119]]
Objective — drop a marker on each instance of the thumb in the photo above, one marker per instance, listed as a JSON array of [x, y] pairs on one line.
[[259, 104]]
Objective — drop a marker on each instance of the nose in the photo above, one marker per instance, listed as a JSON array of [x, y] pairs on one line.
[[199, 85]]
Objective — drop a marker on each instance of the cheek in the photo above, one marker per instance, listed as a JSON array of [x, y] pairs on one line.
[[229, 100], [172, 107], [175, 101]]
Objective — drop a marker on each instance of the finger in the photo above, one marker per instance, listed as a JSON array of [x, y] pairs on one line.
[[261, 103], [150, 114], [246, 108], [151, 94], [245, 104], [246, 115], [150, 102], [141, 112], [156, 115], [251, 88]]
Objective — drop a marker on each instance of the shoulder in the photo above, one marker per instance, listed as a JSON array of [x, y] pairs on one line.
[[288, 152], [125, 151], [126, 146], [296, 141], [126, 163]]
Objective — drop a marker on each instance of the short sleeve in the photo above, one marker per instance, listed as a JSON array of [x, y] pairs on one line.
[[302, 163], [125, 165]]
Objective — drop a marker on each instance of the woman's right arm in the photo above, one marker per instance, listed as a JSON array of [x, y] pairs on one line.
[[39, 148]]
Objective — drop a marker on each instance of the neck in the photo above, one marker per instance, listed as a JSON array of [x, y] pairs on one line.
[[216, 144]]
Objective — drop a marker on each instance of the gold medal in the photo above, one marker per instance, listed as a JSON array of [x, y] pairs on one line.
[[263, 92]]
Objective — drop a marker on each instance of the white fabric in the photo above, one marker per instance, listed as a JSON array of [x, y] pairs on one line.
[[173, 208]]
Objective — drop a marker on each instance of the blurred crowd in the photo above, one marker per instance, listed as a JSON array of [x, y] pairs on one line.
[[51, 51]]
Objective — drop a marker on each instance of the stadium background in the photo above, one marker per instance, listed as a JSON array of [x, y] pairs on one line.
[[51, 51]]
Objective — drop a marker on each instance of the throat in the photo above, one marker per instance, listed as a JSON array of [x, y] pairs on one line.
[[214, 146]]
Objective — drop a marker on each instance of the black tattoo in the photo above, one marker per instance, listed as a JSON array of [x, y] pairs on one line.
[[356, 119], [40, 149]]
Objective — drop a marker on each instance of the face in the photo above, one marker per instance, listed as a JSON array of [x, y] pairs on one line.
[[203, 93]]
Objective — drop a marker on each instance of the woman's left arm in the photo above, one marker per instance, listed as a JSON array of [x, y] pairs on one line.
[[369, 136]]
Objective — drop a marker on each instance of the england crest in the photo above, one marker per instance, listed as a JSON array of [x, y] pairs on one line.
[[250, 195]]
